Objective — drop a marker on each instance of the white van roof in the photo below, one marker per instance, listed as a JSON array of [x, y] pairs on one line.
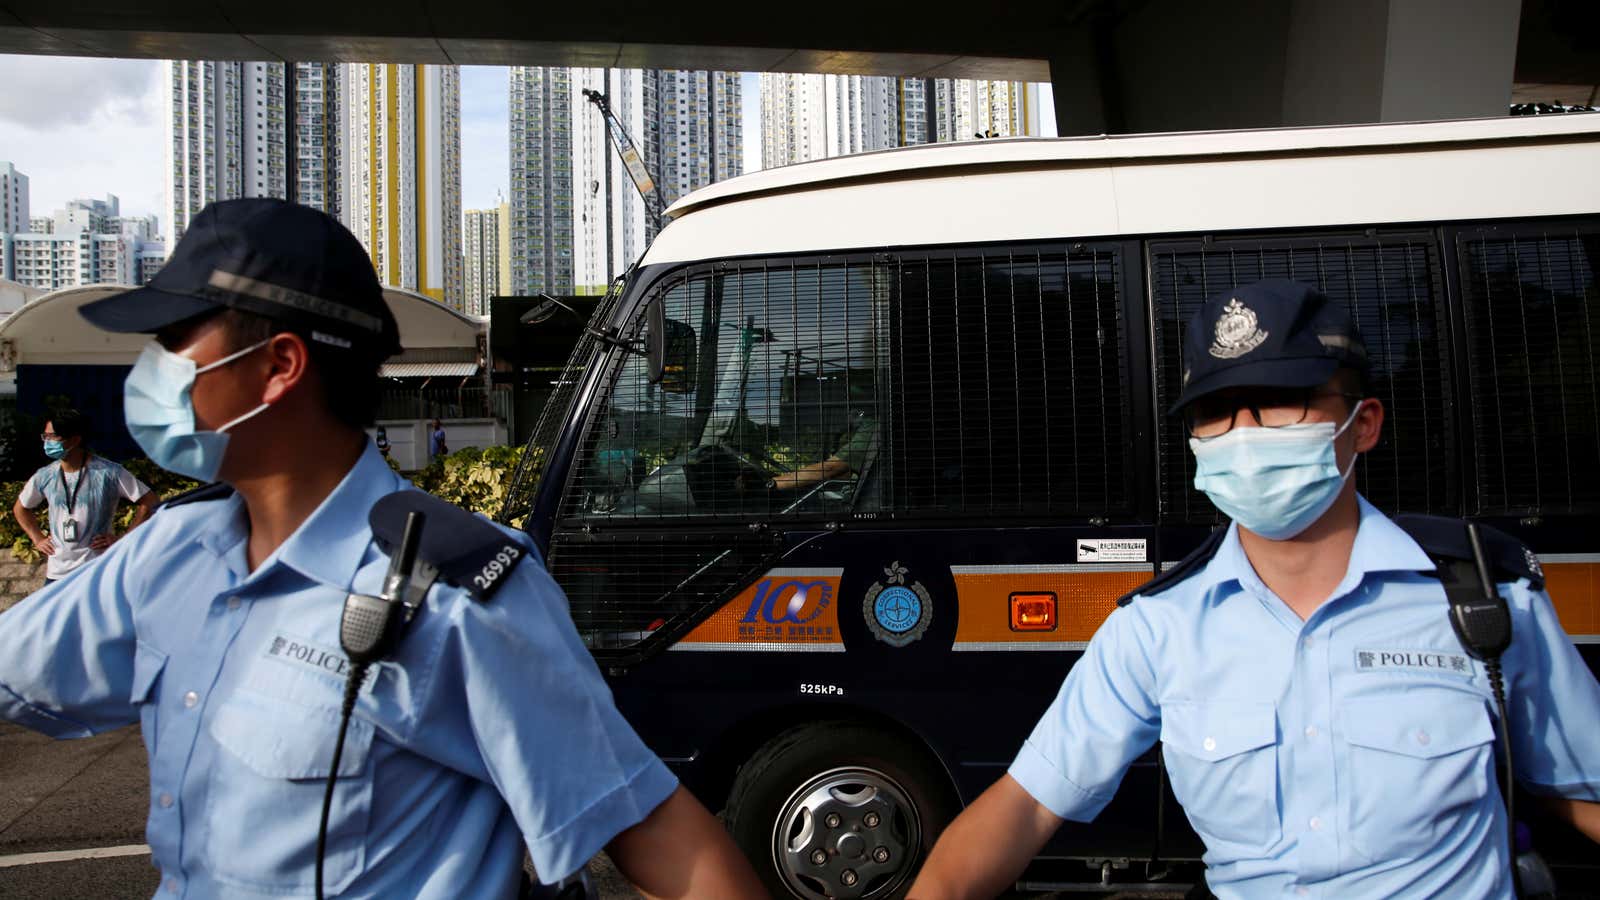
[[1031, 188]]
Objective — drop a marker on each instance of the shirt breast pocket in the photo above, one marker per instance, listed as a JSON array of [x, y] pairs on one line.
[[266, 790], [1223, 762], [1419, 764]]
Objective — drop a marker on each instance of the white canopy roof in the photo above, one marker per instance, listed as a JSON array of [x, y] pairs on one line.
[[47, 330]]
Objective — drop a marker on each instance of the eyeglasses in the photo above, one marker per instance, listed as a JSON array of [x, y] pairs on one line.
[[1215, 415], [47, 436]]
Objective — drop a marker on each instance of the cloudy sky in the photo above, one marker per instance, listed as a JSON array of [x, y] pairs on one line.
[[84, 128]]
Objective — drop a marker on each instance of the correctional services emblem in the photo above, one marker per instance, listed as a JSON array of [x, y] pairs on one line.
[[1237, 332], [898, 612]]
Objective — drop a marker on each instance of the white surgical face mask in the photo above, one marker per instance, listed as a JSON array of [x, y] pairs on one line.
[[160, 412], [1273, 481]]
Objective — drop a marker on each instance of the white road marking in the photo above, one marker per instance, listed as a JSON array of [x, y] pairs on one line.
[[55, 856]]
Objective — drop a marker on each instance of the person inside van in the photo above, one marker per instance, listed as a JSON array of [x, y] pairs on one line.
[[1323, 726], [857, 448]]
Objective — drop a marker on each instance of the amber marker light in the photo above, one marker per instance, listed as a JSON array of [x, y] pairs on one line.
[[1033, 612]]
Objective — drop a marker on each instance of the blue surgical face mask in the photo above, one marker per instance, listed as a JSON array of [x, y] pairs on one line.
[[1273, 481], [160, 412], [55, 449]]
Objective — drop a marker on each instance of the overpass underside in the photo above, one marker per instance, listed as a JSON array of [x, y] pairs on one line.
[[1116, 66]]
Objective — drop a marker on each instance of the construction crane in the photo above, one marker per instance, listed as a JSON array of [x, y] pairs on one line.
[[631, 160]]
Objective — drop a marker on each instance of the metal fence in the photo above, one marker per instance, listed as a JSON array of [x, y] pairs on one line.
[[472, 400]]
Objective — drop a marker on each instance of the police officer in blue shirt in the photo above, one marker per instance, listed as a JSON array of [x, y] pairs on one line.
[[486, 731], [1323, 727]]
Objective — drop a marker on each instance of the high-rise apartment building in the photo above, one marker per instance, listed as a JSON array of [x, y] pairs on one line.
[[577, 219], [85, 242], [95, 216], [53, 261], [14, 213], [965, 110], [145, 228], [693, 129], [609, 214], [808, 116], [151, 257], [317, 89], [226, 140], [486, 239], [402, 174], [542, 106]]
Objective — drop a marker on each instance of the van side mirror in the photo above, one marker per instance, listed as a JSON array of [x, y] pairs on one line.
[[655, 321], [669, 351]]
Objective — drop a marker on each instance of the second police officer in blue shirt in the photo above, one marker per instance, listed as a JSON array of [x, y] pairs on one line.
[[217, 625], [1322, 725]]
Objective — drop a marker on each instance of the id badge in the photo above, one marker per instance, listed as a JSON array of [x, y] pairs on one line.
[[69, 530]]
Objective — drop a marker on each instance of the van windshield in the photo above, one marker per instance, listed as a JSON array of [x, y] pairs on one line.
[[769, 405]]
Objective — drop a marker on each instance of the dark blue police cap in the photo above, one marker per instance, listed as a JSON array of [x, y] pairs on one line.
[[289, 263], [1274, 333]]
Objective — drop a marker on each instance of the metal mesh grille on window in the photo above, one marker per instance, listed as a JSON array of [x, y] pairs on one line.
[[1391, 285], [1533, 321], [1008, 384]]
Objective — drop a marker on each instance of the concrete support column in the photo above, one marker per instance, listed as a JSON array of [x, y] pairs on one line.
[[1399, 60], [1176, 65]]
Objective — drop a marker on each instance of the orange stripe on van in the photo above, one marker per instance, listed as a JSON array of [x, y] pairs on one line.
[[1575, 590], [1084, 598]]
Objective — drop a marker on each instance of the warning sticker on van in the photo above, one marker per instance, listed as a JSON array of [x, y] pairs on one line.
[[1092, 550]]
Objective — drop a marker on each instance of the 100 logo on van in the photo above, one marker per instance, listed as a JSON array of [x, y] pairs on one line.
[[791, 607], [788, 601]]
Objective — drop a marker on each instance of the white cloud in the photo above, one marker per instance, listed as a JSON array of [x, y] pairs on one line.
[[84, 128]]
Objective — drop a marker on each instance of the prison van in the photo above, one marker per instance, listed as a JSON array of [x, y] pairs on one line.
[[848, 470]]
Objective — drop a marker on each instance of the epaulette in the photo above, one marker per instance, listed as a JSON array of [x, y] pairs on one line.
[[1185, 567], [467, 551], [217, 490], [1442, 537]]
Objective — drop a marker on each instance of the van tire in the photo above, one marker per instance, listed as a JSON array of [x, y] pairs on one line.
[[862, 774]]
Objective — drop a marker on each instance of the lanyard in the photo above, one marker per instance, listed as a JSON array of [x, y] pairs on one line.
[[72, 492]]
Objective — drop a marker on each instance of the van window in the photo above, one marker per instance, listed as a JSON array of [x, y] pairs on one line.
[[1532, 310], [769, 406], [1392, 286], [929, 383]]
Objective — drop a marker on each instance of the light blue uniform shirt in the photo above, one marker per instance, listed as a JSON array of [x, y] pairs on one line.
[[490, 727], [1349, 755]]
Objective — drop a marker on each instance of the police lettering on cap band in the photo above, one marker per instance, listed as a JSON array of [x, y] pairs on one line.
[[230, 283]]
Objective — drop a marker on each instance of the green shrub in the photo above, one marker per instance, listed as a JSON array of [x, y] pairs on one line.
[[474, 479]]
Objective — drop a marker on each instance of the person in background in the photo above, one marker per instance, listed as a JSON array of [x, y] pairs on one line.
[[436, 446], [383, 441], [82, 490]]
